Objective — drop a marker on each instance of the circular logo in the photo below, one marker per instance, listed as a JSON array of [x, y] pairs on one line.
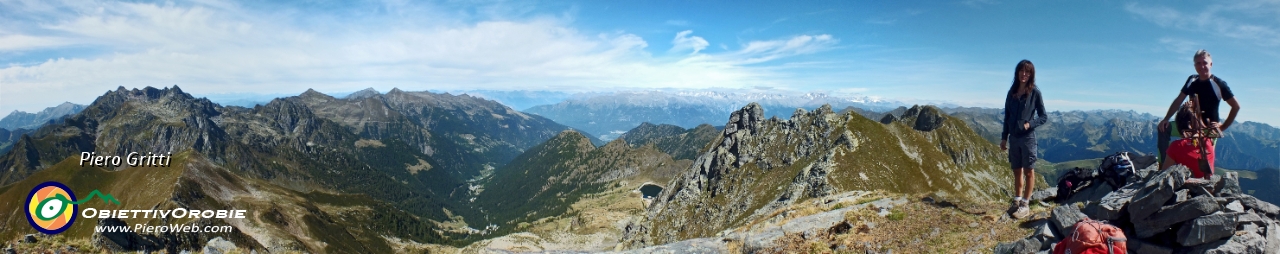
[[51, 207]]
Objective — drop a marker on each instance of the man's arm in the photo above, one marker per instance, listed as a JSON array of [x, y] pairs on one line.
[[1231, 117], [1173, 108]]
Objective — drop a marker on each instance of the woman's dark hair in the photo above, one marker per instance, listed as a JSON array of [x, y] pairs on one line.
[[1184, 117], [1031, 78]]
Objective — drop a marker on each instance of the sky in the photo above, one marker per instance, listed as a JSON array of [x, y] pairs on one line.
[[1088, 54]]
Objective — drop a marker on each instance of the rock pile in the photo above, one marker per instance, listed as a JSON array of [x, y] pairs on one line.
[[1166, 211]]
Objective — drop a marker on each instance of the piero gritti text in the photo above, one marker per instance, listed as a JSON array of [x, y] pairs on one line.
[[133, 159]]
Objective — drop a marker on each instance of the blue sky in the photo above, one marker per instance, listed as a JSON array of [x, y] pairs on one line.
[[1089, 54]]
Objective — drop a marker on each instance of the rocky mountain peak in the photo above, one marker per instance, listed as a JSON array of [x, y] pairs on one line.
[[748, 118], [312, 93], [924, 118], [366, 93]]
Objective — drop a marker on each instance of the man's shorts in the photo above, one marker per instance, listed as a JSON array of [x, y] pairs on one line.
[[1022, 152]]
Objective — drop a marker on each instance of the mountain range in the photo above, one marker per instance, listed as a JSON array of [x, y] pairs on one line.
[[1080, 135], [610, 115], [373, 172], [320, 174], [23, 120]]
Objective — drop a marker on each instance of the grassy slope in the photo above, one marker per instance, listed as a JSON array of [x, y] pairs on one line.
[[882, 155]]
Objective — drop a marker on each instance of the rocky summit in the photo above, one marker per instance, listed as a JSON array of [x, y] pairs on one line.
[[1165, 211], [758, 165]]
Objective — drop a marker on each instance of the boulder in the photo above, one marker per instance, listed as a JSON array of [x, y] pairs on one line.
[[30, 238], [1091, 193], [1263, 207], [1045, 194], [1045, 234], [1246, 243], [1157, 190], [1234, 207], [1018, 247], [1065, 216], [1113, 204], [1168, 216], [1207, 228], [1229, 186]]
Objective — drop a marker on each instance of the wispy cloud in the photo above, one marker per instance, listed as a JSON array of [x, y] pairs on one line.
[[685, 42], [1226, 19], [227, 47]]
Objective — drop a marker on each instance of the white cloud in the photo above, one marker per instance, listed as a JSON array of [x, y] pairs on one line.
[[222, 47], [1245, 20], [684, 42], [21, 42]]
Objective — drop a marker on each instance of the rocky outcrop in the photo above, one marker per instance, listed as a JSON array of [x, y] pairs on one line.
[[757, 165], [1165, 211]]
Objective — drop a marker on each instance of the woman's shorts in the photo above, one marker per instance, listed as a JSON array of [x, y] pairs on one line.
[[1022, 152]]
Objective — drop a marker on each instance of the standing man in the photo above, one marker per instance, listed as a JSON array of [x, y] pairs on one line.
[[1211, 91]]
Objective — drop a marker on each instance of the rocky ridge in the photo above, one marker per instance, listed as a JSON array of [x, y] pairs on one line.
[[757, 165]]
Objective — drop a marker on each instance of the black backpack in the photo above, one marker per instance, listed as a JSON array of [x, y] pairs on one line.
[[1073, 181], [1116, 169]]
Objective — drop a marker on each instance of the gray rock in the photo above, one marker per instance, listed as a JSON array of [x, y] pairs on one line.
[[1246, 243], [1157, 190], [218, 245], [1065, 216], [1113, 205], [1139, 246], [1092, 193], [1045, 194], [1253, 219], [1181, 195], [30, 238], [1207, 228], [1273, 238], [1260, 206], [10, 251], [1234, 207], [1045, 231], [1229, 186], [1149, 226], [1045, 234], [1023, 246]]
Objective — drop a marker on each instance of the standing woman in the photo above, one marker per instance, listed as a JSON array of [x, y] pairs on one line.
[[1023, 112]]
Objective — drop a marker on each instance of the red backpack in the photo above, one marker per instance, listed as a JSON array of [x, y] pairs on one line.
[[1093, 237]]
